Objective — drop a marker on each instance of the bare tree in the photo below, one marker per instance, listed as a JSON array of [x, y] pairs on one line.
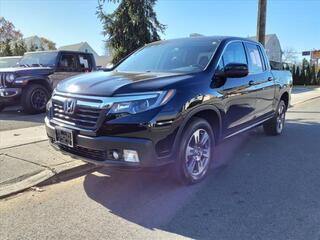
[[289, 55], [8, 31]]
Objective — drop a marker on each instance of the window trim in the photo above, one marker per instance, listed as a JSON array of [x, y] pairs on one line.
[[225, 47]]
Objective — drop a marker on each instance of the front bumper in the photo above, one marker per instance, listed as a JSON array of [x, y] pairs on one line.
[[96, 149], [9, 96]]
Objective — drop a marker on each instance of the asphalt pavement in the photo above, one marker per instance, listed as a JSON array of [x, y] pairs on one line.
[[260, 187], [14, 118]]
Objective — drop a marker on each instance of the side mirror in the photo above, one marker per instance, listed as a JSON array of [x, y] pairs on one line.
[[234, 70]]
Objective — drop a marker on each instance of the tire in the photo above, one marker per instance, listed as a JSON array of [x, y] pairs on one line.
[[275, 125], [34, 98], [194, 158]]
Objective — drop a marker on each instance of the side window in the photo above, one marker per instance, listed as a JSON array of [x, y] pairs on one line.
[[255, 60], [68, 62], [85, 63], [234, 53]]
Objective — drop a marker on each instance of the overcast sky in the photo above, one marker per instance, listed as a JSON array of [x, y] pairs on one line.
[[296, 22]]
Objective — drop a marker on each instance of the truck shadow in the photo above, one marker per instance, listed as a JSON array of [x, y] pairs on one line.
[[257, 183], [14, 117]]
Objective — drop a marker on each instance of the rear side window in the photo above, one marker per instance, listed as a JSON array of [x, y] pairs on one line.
[[68, 62], [85, 63], [255, 59], [234, 53]]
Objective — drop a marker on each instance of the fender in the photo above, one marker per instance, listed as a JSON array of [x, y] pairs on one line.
[[25, 80], [192, 113]]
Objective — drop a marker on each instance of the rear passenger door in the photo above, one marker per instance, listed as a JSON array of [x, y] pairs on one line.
[[262, 80], [239, 96]]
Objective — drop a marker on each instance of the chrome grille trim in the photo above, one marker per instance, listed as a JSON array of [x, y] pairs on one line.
[[87, 115], [3, 80], [107, 102]]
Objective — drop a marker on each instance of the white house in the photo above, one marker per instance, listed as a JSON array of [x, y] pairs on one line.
[[85, 47], [36, 42]]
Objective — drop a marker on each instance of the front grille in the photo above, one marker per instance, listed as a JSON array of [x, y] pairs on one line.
[[3, 80], [97, 155], [83, 116]]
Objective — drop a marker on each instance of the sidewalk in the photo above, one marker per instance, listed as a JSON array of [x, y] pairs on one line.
[[26, 159], [301, 94]]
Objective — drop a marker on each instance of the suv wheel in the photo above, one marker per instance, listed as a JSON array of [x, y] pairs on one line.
[[34, 98], [195, 152], [275, 125]]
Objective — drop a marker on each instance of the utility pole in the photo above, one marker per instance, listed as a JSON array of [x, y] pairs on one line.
[[261, 21]]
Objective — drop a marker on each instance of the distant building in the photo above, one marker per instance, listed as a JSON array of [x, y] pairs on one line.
[[33, 42], [273, 47], [85, 47], [36, 43]]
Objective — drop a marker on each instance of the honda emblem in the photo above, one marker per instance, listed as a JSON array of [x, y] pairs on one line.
[[69, 106]]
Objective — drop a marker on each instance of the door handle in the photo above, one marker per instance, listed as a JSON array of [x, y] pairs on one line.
[[251, 82], [270, 79]]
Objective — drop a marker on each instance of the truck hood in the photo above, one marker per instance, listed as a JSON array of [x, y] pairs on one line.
[[28, 70], [110, 83]]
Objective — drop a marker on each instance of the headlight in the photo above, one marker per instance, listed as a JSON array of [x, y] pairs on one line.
[[10, 77], [136, 103]]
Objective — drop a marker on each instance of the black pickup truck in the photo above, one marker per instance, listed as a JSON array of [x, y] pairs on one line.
[[169, 102], [31, 83]]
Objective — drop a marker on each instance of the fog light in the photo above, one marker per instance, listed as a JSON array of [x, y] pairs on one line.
[[115, 155], [130, 155]]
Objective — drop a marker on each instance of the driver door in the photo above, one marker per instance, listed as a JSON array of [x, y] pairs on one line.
[[239, 96]]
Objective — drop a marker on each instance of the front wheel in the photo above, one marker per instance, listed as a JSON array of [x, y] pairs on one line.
[[195, 152], [275, 125], [34, 98]]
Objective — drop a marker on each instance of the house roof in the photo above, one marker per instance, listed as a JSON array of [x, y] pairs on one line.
[[267, 37], [77, 47], [74, 47], [31, 39]]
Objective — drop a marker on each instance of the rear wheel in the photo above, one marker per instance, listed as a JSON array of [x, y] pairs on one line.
[[275, 125], [195, 152], [34, 98]]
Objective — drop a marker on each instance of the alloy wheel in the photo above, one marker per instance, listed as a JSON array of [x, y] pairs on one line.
[[197, 153], [281, 118]]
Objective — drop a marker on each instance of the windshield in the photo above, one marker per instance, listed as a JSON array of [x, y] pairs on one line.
[[8, 62], [189, 55], [42, 59]]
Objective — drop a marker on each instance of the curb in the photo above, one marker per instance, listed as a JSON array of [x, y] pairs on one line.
[[303, 101], [59, 173]]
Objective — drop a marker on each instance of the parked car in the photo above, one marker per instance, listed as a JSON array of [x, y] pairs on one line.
[[31, 83], [7, 62], [170, 102]]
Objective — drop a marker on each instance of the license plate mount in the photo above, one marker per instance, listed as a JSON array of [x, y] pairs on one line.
[[64, 136]]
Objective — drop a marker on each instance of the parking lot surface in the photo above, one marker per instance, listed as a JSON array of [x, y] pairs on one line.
[[14, 118]]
